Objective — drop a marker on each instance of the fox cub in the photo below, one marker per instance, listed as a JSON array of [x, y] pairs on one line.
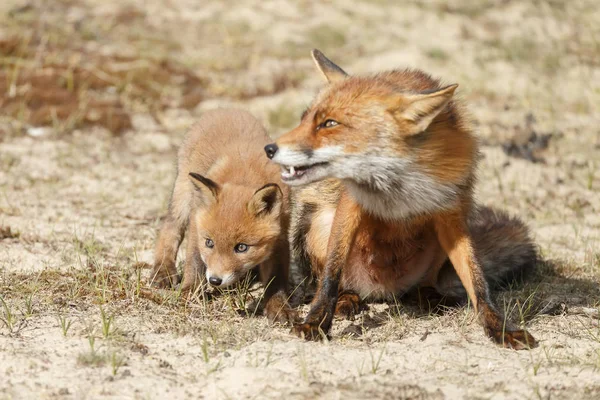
[[229, 202], [384, 168]]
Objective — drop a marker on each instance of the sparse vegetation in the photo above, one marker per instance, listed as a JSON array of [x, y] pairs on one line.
[[94, 98], [65, 324]]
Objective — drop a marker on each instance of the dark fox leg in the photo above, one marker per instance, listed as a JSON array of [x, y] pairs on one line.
[[301, 276], [345, 224]]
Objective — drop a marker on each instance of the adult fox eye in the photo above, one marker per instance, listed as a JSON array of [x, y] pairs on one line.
[[241, 248], [209, 243], [329, 123]]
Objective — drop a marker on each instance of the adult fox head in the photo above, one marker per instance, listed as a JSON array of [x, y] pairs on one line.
[[375, 131], [235, 229]]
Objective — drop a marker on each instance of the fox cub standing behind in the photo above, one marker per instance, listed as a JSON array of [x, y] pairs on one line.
[[386, 167], [229, 199]]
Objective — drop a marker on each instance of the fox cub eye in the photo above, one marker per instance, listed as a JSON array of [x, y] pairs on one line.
[[241, 248], [209, 243]]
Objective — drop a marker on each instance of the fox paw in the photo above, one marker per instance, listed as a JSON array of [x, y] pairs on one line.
[[278, 310], [162, 278], [349, 305], [284, 316], [308, 331], [518, 340]]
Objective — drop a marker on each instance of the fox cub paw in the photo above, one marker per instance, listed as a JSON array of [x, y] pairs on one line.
[[279, 311], [163, 278], [284, 316], [349, 305], [309, 331], [518, 340]]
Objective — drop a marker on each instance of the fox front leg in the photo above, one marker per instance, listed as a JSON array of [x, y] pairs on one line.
[[456, 242], [345, 224], [164, 274], [195, 270], [274, 277]]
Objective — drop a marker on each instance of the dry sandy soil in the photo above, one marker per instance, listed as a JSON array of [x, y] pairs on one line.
[[95, 98]]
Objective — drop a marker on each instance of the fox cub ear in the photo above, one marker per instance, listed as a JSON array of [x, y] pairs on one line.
[[208, 189], [419, 110], [266, 200], [330, 71]]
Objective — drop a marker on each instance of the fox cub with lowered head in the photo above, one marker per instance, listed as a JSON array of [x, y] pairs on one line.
[[385, 165], [229, 202]]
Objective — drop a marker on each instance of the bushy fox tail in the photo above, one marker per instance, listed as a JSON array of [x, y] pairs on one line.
[[503, 248]]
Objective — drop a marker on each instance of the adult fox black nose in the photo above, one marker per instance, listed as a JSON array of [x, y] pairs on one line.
[[215, 281], [271, 149]]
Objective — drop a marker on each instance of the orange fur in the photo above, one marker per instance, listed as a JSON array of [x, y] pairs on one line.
[[393, 155], [226, 194]]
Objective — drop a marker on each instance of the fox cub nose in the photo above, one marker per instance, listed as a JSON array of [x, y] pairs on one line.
[[215, 281], [271, 149]]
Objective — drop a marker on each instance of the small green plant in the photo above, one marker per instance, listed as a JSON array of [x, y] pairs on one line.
[[29, 306], [302, 363], [65, 324], [241, 293], [360, 368], [204, 349], [92, 342], [91, 358], [107, 323], [8, 317], [527, 308], [375, 361], [591, 175], [116, 362]]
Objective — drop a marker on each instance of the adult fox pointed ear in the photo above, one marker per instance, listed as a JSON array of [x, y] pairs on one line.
[[206, 188], [266, 201], [330, 71], [416, 111]]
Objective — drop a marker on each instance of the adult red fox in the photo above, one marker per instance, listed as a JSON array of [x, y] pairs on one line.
[[229, 202], [385, 166]]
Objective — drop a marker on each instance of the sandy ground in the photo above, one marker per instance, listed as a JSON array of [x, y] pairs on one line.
[[80, 205]]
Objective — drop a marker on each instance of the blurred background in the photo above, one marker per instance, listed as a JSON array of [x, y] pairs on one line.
[[130, 76], [69, 64]]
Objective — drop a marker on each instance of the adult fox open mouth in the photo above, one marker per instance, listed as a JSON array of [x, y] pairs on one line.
[[292, 173]]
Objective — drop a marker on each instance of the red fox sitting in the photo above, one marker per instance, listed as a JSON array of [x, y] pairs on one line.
[[386, 167], [228, 198]]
